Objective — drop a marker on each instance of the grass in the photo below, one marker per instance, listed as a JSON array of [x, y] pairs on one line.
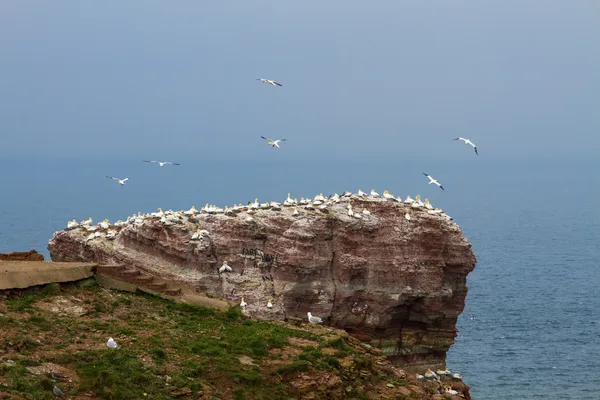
[[166, 349]]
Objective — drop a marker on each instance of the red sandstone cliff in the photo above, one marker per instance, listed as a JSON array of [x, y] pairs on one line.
[[396, 284]]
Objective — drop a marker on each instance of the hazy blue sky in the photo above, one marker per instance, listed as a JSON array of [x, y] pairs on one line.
[[176, 80]]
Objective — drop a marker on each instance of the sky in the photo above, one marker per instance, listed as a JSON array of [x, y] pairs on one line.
[[362, 81]]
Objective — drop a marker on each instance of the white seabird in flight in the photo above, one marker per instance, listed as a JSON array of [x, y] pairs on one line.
[[467, 141], [431, 180], [269, 81], [273, 143], [161, 163], [121, 181]]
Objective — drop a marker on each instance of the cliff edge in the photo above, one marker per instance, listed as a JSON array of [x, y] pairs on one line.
[[392, 274]]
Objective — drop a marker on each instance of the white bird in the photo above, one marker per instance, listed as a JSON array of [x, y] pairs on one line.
[[161, 163], [350, 212], [121, 181], [431, 180], [243, 304], [408, 200], [225, 267], [191, 211], [388, 196], [269, 304], [361, 193], [407, 216], [456, 375], [72, 224], [429, 374], [467, 141], [295, 211], [366, 212], [269, 81], [111, 343], [314, 320], [374, 193], [451, 391], [273, 143]]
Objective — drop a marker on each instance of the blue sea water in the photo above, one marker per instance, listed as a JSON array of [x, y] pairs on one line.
[[532, 318]]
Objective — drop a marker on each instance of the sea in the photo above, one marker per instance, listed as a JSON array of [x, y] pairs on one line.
[[531, 322]]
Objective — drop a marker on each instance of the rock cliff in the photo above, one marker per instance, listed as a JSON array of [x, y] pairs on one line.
[[30, 255], [394, 282]]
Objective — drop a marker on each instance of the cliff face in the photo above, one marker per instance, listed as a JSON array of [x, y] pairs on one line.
[[30, 255], [396, 284]]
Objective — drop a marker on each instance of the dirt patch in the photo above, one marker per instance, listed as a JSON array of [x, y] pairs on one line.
[[68, 307]]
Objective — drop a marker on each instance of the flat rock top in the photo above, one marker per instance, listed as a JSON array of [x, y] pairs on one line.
[[24, 266]]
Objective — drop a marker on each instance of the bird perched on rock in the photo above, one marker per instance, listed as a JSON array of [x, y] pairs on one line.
[[225, 267], [57, 392], [243, 304], [314, 320], [57, 375], [112, 344], [270, 304]]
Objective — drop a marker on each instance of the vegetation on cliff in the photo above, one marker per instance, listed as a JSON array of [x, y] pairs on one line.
[[175, 350]]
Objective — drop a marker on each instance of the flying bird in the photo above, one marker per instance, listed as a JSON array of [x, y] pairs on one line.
[[121, 181], [273, 143], [162, 163], [431, 180], [269, 81], [467, 141]]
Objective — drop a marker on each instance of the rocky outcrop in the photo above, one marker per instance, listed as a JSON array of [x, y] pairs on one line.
[[397, 284], [30, 255]]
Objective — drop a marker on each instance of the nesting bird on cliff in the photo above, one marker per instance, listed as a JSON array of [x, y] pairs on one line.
[[374, 193], [314, 320], [72, 224], [361, 193], [387, 195], [429, 374], [224, 267], [191, 211], [269, 81], [407, 216], [408, 200], [431, 180], [467, 141], [121, 181], [243, 304], [270, 304], [295, 213], [350, 212], [451, 391]]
